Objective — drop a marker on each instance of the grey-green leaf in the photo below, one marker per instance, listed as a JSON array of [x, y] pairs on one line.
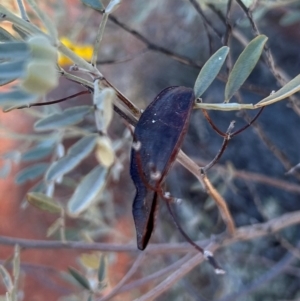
[[87, 190], [6, 278], [210, 70], [16, 97], [79, 151], [244, 65], [43, 202], [31, 172], [5, 81], [66, 118], [14, 51], [12, 70], [102, 269], [5, 36], [36, 153], [5, 169], [287, 90], [79, 278], [95, 4], [290, 18]]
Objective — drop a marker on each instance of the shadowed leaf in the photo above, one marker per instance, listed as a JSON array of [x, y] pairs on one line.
[[102, 269], [43, 202], [158, 136], [79, 278], [244, 65]]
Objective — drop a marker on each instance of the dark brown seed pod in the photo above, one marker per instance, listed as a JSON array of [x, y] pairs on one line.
[[158, 136]]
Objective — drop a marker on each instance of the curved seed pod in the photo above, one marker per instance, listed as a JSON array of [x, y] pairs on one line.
[[158, 136]]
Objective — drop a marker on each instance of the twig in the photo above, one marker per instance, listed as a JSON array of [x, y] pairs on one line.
[[200, 12], [128, 275], [263, 279], [228, 25], [221, 203], [45, 19], [22, 10], [99, 37], [155, 276], [152, 46]]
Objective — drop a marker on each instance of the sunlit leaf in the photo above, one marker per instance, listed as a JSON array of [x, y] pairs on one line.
[[244, 65], [66, 118], [287, 90], [14, 51], [36, 153], [90, 260], [112, 6], [104, 151], [210, 70], [40, 78], [43, 202], [79, 151], [80, 278], [87, 190], [31, 172], [95, 4], [54, 227]]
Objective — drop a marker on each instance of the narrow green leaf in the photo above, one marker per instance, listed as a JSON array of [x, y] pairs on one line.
[[54, 227], [6, 278], [66, 118], [80, 278], [5, 36], [210, 70], [87, 190], [43, 202], [287, 90], [102, 269], [95, 4], [244, 65], [12, 69], [79, 151], [14, 51], [36, 153], [31, 172]]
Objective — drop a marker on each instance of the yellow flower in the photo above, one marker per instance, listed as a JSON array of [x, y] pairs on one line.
[[84, 51]]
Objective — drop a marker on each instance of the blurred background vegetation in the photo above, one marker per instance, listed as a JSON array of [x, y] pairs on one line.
[[254, 174]]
